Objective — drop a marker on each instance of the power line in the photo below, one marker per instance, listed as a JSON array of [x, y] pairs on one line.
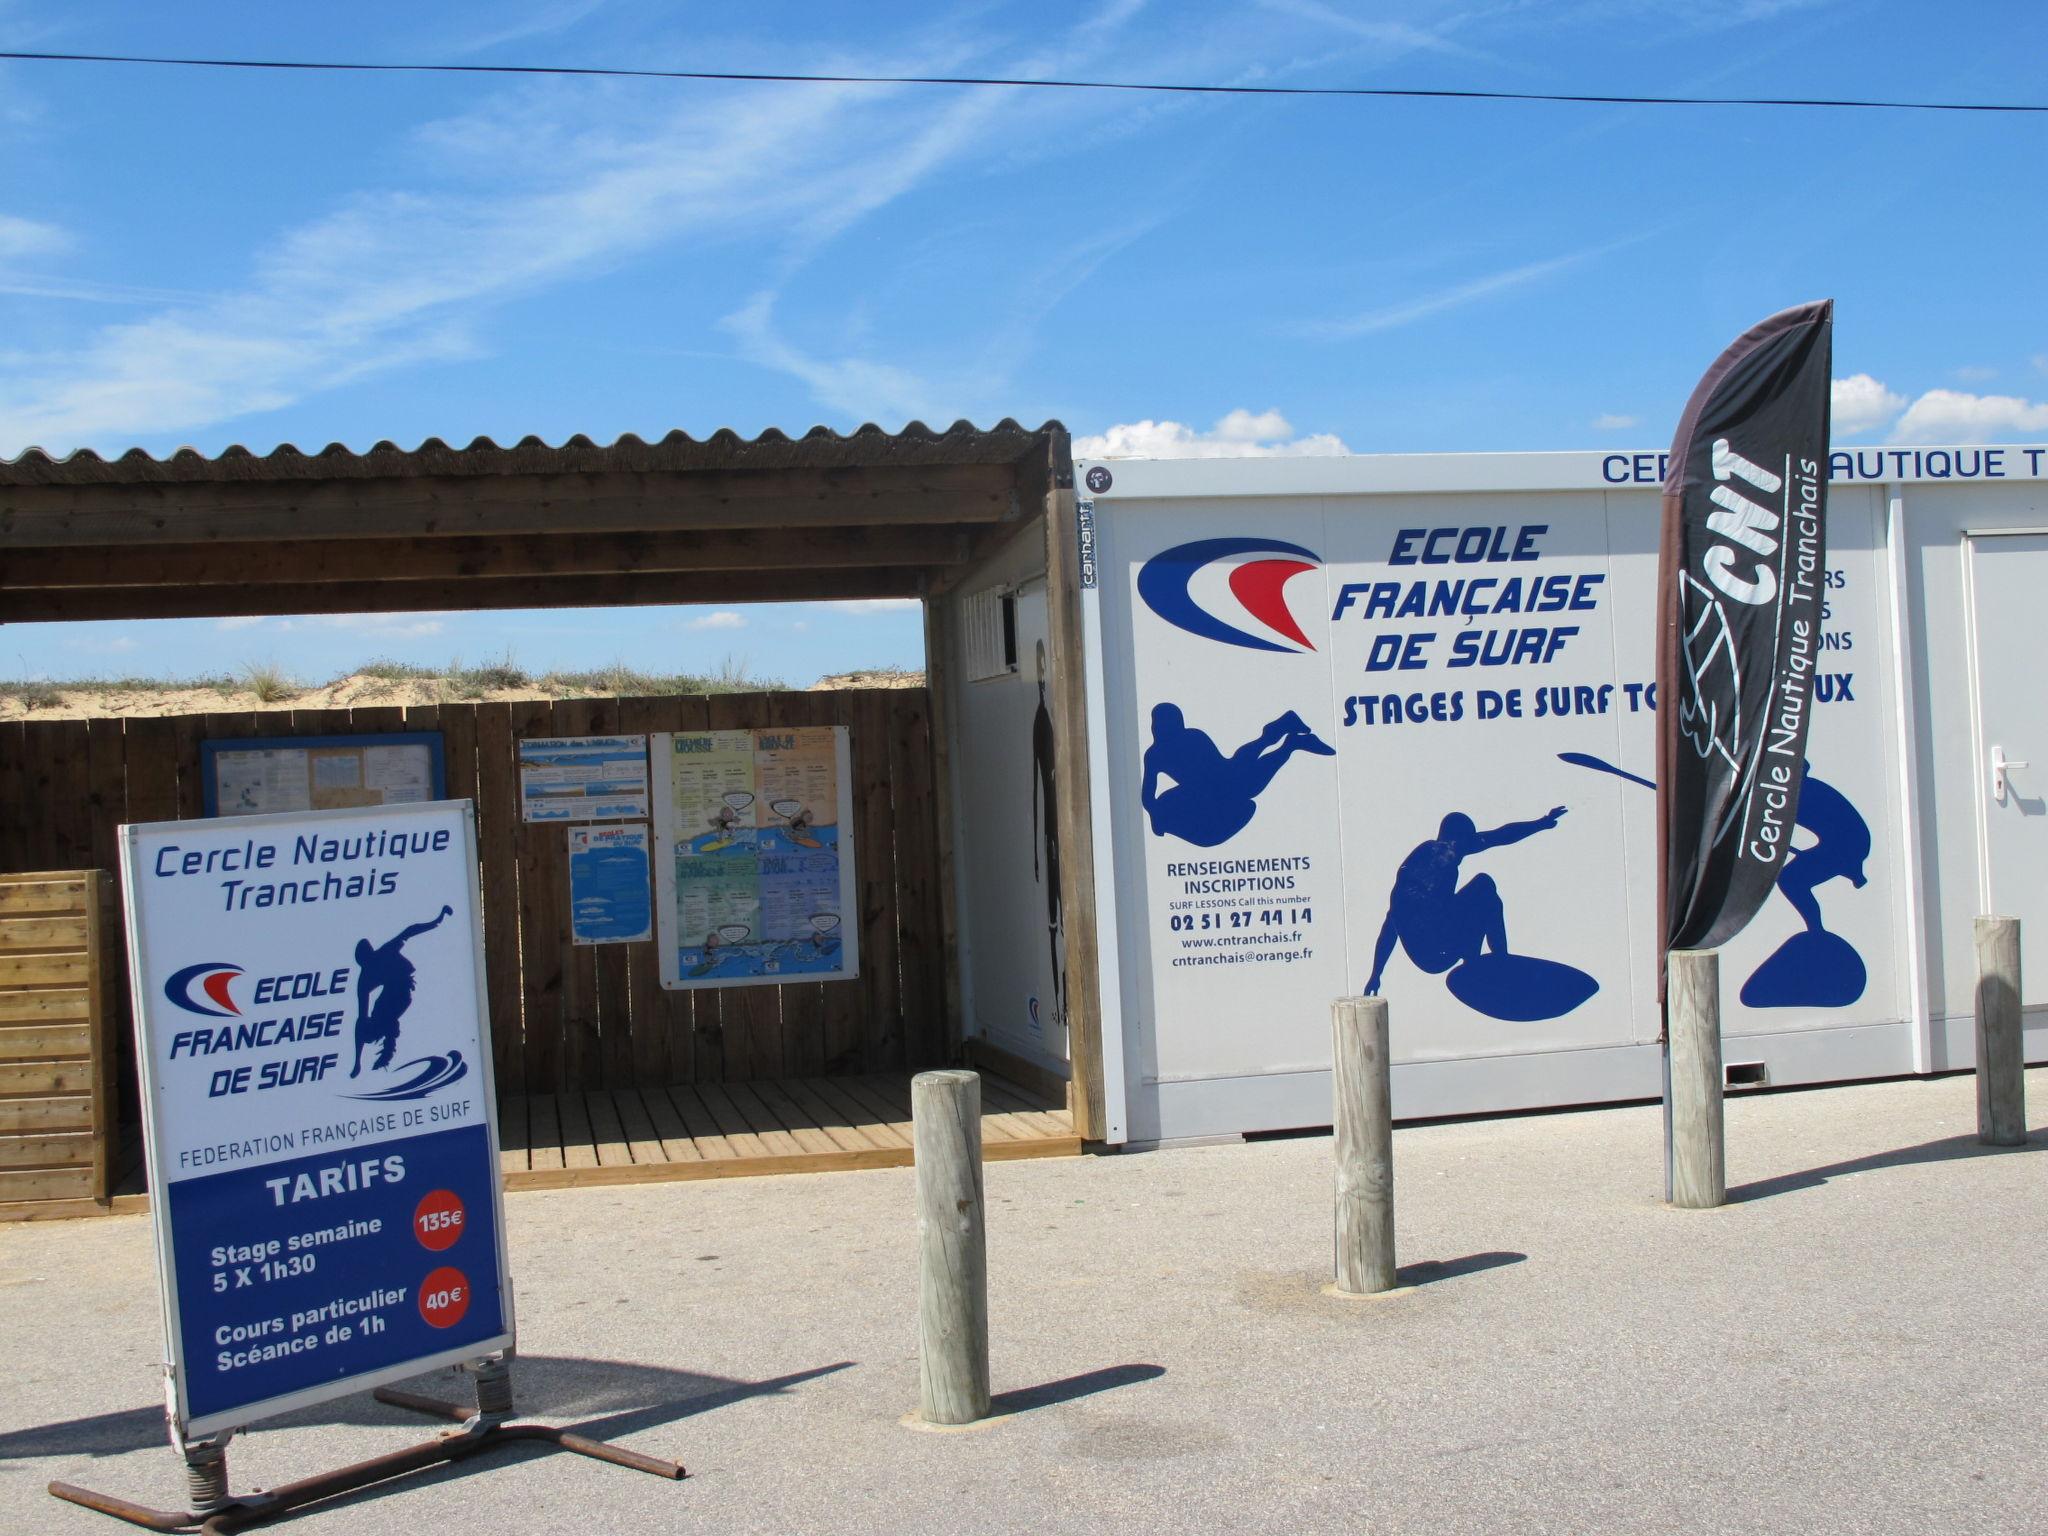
[[763, 77]]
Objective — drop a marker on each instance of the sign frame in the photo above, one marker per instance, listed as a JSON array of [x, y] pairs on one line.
[[662, 851], [186, 1427], [211, 748]]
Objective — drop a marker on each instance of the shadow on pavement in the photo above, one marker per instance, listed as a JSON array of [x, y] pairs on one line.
[[1065, 1390], [1429, 1271], [1949, 1149], [599, 1398]]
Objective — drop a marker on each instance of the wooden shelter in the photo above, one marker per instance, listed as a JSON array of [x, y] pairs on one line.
[[913, 514]]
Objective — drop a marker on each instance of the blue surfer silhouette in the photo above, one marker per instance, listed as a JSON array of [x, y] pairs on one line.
[[384, 970], [1816, 968], [1213, 797], [1460, 932]]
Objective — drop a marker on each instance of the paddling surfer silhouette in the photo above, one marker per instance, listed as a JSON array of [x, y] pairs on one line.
[[1213, 797], [1045, 793], [383, 970], [1459, 932]]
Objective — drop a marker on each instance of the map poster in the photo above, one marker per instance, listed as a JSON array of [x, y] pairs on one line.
[[753, 856], [320, 773], [583, 778]]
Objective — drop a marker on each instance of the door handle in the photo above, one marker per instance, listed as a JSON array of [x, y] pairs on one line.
[[1999, 764]]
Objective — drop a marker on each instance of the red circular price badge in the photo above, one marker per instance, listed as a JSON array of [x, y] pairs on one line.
[[444, 1297], [439, 1220]]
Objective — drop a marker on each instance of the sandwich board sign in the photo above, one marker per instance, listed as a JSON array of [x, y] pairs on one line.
[[318, 1112]]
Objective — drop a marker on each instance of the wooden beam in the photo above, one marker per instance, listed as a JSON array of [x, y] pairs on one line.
[[462, 594], [938, 682], [451, 506], [1069, 700], [293, 562]]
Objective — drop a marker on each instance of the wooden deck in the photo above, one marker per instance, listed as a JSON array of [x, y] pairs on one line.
[[733, 1130], [705, 1131]]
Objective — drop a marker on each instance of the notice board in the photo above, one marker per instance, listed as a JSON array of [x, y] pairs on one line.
[[754, 857], [318, 1115], [583, 778], [256, 776]]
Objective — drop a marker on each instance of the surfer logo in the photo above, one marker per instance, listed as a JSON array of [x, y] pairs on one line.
[[385, 981], [211, 978], [1210, 588]]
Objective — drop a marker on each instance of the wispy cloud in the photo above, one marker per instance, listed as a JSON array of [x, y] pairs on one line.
[[723, 618], [1392, 38], [1444, 300], [874, 604], [29, 237], [1613, 421], [540, 21]]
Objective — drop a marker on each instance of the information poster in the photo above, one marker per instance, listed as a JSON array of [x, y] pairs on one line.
[[611, 898], [754, 856], [583, 778], [320, 773], [317, 1103]]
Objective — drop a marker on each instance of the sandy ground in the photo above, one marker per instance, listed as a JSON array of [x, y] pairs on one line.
[[1853, 1345], [89, 701]]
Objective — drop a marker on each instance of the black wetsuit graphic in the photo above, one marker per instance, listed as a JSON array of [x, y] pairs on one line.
[[383, 970], [1044, 789]]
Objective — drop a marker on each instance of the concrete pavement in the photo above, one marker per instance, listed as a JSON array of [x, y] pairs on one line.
[[1853, 1345]]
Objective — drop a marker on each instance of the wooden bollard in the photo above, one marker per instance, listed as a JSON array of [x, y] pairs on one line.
[[1699, 1153], [1364, 1119], [952, 1297], [2001, 1053]]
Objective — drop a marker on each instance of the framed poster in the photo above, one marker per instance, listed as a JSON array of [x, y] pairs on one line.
[[583, 778], [257, 776], [754, 857], [317, 1106]]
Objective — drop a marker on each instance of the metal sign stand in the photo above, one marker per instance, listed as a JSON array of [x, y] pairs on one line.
[[216, 1511]]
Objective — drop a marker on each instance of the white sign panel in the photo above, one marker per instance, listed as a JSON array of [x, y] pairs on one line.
[[317, 1102], [583, 778], [1402, 743]]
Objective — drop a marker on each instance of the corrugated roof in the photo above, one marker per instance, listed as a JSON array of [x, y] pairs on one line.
[[820, 448]]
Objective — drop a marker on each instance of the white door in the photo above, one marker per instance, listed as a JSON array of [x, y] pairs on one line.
[[2009, 638]]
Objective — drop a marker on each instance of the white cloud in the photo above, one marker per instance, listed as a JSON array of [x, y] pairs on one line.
[[239, 621], [1239, 435], [397, 626], [724, 618], [1974, 373], [875, 604], [1408, 311], [27, 237], [114, 645], [1610, 421], [1956, 416], [1859, 403]]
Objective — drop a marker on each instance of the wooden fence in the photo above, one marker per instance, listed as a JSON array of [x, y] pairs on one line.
[[565, 1016]]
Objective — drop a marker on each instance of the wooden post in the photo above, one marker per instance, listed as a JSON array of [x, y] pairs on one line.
[[2001, 1055], [1365, 1147], [952, 1298], [1699, 1162]]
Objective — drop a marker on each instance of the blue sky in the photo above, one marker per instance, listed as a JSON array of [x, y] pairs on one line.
[[205, 258]]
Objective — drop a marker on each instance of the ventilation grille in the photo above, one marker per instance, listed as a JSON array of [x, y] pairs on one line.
[[989, 624]]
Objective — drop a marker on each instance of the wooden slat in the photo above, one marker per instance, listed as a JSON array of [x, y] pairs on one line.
[[42, 933], [677, 1145], [874, 1124], [45, 1042], [637, 1125], [152, 768], [63, 970], [797, 1120], [545, 1137], [828, 1117], [45, 1079], [497, 842], [512, 1132], [38, 1116], [882, 1110], [13, 794], [729, 1122], [542, 875], [801, 1003], [60, 1151], [919, 935], [711, 1141], [50, 1005], [874, 857], [938, 673], [638, 966], [582, 1031], [607, 1134], [40, 895], [46, 1184], [579, 1147]]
